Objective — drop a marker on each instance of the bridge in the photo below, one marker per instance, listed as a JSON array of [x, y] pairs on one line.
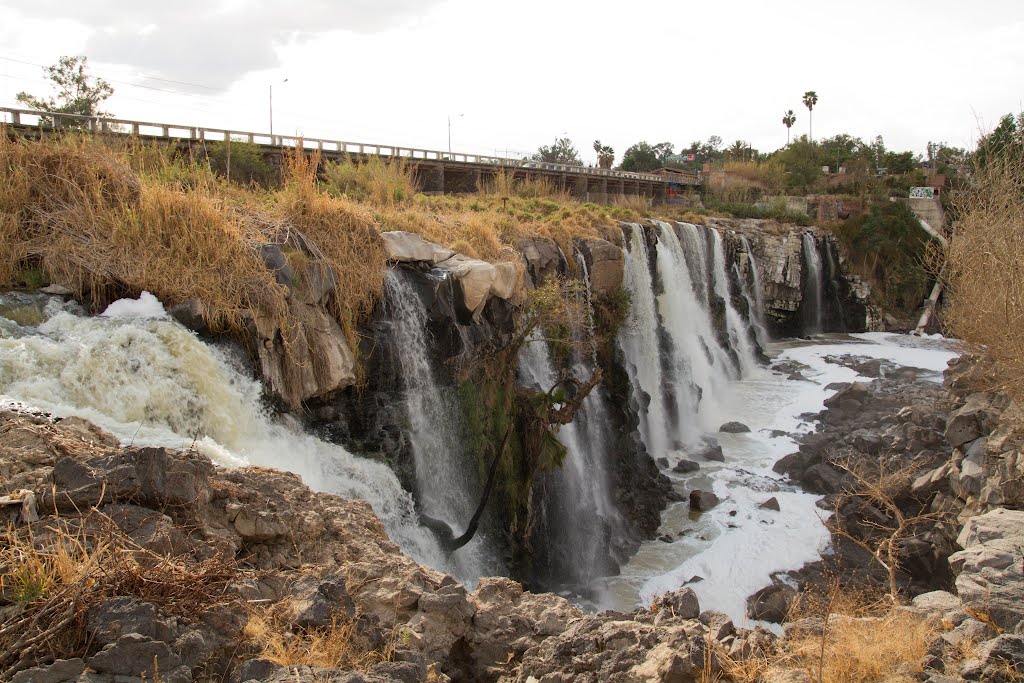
[[437, 171]]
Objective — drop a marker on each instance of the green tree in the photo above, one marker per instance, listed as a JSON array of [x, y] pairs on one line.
[[810, 99], [788, 119], [738, 151], [77, 91], [644, 156], [1004, 142], [605, 154], [561, 152]]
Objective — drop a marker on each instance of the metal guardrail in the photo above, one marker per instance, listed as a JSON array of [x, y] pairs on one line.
[[30, 118]]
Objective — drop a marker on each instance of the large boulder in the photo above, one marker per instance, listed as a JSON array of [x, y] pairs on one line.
[[310, 359], [407, 247], [479, 280], [989, 578], [543, 258], [606, 264]]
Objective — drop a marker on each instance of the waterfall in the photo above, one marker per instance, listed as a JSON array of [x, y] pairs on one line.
[[813, 302], [445, 487], [833, 277], [151, 382], [739, 337], [577, 514], [754, 294], [702, 367], [640, 343]]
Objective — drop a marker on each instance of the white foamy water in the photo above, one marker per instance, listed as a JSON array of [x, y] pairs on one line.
[[151, 382], [736, 547]]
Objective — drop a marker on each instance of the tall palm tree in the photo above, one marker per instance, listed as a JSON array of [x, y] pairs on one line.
[[810, 99], [605, 154], [788, 120]]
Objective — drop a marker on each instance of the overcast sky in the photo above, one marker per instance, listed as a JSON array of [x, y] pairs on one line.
[[516, 75]]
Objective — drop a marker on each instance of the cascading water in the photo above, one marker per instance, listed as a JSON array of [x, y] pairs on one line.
[[754, 294], [445, 489], [577, 513], [813, 302], [641, 345], [702, 367], [737, 330], [833, 276], [151, 382]]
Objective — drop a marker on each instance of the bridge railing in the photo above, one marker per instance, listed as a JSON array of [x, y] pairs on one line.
[[31, 118]]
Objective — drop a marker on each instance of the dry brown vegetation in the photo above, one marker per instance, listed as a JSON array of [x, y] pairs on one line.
[[108, 218], [55, 571], [985, 271], [338, 646], [845, 635]]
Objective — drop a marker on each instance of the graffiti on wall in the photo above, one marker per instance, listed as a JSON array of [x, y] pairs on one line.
[[922, 193]]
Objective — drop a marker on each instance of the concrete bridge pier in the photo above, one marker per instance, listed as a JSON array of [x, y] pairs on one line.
[[430, 178]]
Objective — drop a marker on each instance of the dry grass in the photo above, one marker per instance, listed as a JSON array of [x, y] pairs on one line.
[[338, 646], [55, 571], [867, 640], [985, 271], [110, 218]]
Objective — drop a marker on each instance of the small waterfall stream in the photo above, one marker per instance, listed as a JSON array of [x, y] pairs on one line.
[[814, 286], [754, 294], [445, 486], [739, 337]]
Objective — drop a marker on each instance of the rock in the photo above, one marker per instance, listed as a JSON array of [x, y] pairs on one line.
[[989, 568], [120, 616], [970, 421], [770, 504], [662, 463], [277, 263], [702, 501], [18, 507], [58, 672], [479, 280], [149, 476], [971, 476], [711, 451], [822, 478], [543, 258], [134, 655], [685, 466], [191, 314], [56, 290], [734, 428], [771, 603], [315, 362], [681, 603], [606, 264], [1000, 660], [405, 247]]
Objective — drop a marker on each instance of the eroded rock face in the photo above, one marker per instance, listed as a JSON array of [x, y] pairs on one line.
[[606, 263], [990, 568]]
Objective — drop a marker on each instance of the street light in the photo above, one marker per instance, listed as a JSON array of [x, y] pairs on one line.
[[271, 100], [458, 116]]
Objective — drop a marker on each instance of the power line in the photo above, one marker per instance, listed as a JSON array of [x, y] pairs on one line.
[[135, 85]]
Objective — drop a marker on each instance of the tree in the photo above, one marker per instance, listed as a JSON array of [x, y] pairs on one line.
[[561, 152], [1005, 142], [644, 156], [605, 154], [77, 91], [810, 99], [739, 150], [788, 120]]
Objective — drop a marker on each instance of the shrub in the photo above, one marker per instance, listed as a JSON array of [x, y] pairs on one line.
[[984, 269]]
